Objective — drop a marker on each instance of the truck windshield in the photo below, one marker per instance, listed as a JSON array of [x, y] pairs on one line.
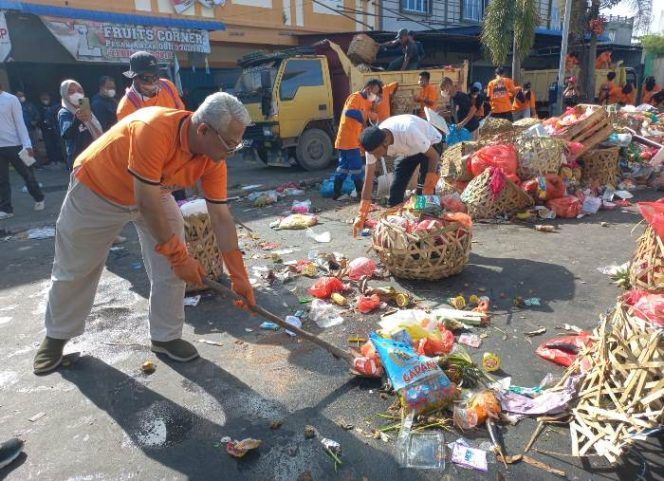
[[249, 84]]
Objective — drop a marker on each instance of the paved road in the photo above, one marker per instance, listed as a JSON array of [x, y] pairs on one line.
[[105, 420]]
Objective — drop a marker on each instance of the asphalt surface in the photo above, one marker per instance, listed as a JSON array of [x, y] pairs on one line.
[[101, 418]]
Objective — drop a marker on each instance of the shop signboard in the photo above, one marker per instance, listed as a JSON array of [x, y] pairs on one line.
[[5, 41], [91, 41]]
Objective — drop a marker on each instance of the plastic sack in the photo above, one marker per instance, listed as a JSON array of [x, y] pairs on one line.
[[325, 286], [567, 207], [295, 222], [545, 188], [564, 349], [504, 157], [653, 213], [301, 207], [366, 304], [646, 306], [457, 135], [420, 382], [327, 187], [361, 267], [452, 203]]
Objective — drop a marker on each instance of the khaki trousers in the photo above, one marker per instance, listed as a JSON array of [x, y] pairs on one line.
[[85, 230]]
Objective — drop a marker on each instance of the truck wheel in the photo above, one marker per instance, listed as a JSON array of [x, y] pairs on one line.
[[314, 149]]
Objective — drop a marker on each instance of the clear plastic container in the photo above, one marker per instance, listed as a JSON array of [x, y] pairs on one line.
[[420, 450]]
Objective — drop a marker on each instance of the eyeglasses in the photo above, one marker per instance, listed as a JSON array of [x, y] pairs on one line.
[[148, 79], [229, 150]]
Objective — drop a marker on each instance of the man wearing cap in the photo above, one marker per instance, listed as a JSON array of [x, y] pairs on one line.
[[125, 176], [411, 55], [147, 89], [407, 136]]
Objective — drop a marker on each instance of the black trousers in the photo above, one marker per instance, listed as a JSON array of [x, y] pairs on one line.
[[403, 172], [53, 146], [9, 155]]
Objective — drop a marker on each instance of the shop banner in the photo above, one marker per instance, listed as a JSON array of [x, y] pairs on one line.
[[5, 42], [90, 41]]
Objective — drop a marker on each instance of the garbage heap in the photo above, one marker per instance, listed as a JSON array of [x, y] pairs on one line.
[[619, 372], [587, 159]]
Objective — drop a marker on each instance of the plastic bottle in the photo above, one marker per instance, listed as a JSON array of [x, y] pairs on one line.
[[544, 228]]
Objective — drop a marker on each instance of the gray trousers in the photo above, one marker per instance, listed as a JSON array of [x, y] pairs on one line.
[[85, 230]]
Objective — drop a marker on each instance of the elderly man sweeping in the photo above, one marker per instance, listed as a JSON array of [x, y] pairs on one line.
[[126, 176], [407, 136]]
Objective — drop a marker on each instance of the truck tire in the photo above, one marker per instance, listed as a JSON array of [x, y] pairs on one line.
[[314, 149]]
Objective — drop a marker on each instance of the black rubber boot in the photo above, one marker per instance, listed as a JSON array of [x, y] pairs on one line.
[[338, 184], [359, 185]]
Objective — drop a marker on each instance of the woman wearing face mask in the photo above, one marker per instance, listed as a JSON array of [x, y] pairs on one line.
[[78, 127], [104, 104]]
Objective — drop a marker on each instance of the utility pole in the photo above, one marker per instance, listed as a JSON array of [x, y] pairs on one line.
[[563, 54]]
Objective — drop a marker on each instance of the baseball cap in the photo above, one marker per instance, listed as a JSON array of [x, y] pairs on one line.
[[371, 138], [477, 85], [402, 32], [140, 63]]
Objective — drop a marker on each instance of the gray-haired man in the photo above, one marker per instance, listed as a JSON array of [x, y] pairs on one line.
[[126, 176]]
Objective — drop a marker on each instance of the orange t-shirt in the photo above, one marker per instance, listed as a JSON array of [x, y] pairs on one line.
[[151, 145], [429, 96], [647, 95], [353, 119], [603, 58], [166, 97], [627, 99], [382, 109], [500, 91], [517, 105]]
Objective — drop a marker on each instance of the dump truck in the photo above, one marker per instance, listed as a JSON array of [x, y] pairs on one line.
[[541, 81], [295, 98]]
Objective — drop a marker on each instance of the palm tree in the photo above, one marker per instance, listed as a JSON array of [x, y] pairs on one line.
[[505, 17]]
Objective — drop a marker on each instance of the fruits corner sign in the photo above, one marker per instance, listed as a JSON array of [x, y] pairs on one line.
[[92, 41]]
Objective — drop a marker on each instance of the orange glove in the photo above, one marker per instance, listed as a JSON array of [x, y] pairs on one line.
[[184, 266], [430, 182], [238, 274], [365, 207]]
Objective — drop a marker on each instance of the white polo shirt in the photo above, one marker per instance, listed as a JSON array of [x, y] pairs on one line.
[[412, 135]]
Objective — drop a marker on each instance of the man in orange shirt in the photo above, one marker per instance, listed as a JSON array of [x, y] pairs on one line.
[[500, 91], [382, 106], [609, 92], [428, 95], [650, 88], [627, 95], [603, 60], [126, 176], [354, 116]]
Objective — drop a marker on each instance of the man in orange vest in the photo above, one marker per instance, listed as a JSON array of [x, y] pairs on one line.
[[382, 105], [609, 93], [428, 95], [500, 91]]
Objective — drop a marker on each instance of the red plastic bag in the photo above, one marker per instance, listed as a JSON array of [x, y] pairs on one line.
[[452, 203], [325, 286], [567, 207], [563, 350], [504, 157], [367, 367], [367, 304], [554, 188], [431, 346], [361, 267], [463, 219], [646, 306], [653, 213]]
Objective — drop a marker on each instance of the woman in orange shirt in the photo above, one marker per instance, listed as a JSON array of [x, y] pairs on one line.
[[627, 95], [650, 88]]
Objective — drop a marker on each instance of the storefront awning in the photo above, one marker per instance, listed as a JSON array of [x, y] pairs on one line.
[[110, 17]]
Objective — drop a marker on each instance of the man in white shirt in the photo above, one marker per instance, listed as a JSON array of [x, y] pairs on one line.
[[14, 138], [407, 136]]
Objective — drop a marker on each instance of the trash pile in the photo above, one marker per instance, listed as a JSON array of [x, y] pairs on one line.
[[567, 166], [618, 368]]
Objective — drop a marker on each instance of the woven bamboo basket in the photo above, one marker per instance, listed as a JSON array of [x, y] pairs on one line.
[[483, 204], [646, 270], [493, 126], [601, 165], [363, 49], [202, 245], [423, 255], [454, 161], [402, 101], [538, 156]]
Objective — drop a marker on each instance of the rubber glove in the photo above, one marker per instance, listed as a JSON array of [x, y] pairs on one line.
[[365, 207], [430, 182], [238, 274], [184, 266]]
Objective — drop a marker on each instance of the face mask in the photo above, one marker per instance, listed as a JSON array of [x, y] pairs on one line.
[[110, 93], [372, 97], [76, 97], [21, 99]]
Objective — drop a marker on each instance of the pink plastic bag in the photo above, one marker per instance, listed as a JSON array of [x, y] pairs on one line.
[[653, 213], [504, 157], [367, 304], [361, 267], [325, 286], [646, 306]]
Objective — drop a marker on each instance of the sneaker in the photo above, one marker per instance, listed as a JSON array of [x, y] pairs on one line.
[[40, 205], [119, 239], [9, 451], [49, 355], [343, 197], [6, 215], [178, 349]]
